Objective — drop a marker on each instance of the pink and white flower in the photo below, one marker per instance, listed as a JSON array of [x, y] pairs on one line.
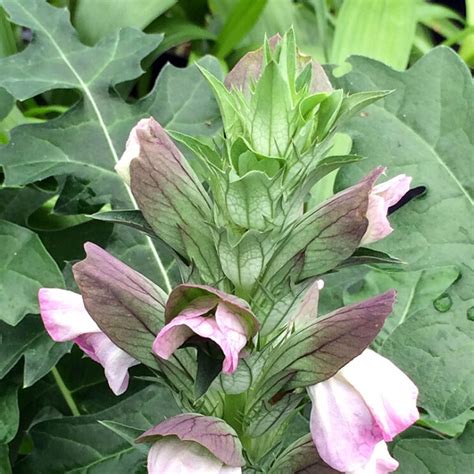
[[66, 319], [170, 456], [210, 314], [368, 402], [381, 198], [193, 443]]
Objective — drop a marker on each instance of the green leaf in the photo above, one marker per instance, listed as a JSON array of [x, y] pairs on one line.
[[354, 103], [77, 197], [6, 103], [29, 340], [94, 20], [271, 120], [435, 152], [278, 17], [415, 290], [25, 267], [369, 257], [435, 349], [436, 456], [328, 112], [81, 444], [9, 413], [86, 141], [5, 459], [239, 381], [128, 433], [7, 36], [129, 217], [17, 204], [177, 31], [452, 427]]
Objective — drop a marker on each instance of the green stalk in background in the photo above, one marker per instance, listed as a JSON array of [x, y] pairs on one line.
[[379, 29], [467, 47], [240, 21], [7, 36]]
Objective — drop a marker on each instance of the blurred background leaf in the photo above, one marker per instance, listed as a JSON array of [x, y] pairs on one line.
[[378, 29], [94, 19]]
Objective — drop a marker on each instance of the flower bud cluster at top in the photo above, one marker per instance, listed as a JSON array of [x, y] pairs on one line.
[[279, 113]]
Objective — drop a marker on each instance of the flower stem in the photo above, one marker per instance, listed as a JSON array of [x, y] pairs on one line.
[[66, 393]]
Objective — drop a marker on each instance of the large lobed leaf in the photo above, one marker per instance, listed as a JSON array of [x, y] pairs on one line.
[[82, 444], [424, 129], [29, 340], [87, 141]]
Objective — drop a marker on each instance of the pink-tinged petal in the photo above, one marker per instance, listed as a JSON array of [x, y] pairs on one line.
[[115, 361], [234, 337], [64, 315], [394, 189], [86, 343], [132, 150], [171, 338], [381, 198], [171, 456], [389, 394], [66, 319], [125, 304], [181, 328], [378, 225], [380, 463], [182, 295], [229, 322], [211, 314], [343, 429]]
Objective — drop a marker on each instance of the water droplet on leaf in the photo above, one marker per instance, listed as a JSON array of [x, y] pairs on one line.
[[443, 303]]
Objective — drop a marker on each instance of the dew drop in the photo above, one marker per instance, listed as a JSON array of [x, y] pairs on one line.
[[470, 313], [443, 303]]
